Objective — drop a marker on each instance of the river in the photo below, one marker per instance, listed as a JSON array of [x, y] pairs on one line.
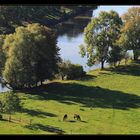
[[70, 36]]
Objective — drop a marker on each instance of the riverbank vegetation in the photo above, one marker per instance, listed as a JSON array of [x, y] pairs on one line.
[[67, 71], [14, 16]]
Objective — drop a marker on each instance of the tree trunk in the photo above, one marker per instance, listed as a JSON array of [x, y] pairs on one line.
[[135, 58], [10, 118], [119, 63], [36, 84], [102, 65], [135, 53], [114, 64], [61, 77], [41, 82]]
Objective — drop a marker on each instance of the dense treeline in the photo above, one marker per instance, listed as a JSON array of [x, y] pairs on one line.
[[14, 16]]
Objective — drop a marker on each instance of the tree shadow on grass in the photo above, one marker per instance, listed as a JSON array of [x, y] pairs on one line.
[[4, 120], [88, 96], [133, 69], [38, 113], [87, 77], [45, 128], [72, 121]]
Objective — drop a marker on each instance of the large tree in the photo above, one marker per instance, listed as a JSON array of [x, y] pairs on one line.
[[100, 35], [130, 39], [2, 55], [31, 56]]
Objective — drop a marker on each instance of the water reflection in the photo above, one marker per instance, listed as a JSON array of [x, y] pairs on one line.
[[74, 27], [3, 88], [70, 36]]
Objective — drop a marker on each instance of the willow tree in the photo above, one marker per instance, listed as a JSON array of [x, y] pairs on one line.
[[2, 55], [31, 56], [130, 39], [100, 35]]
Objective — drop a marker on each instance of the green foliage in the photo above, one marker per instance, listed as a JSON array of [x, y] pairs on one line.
[[13, 16], [67, 70], [11, 103], [100, 34], [1, 107], [116, 54], [2, 54], [31, 56]]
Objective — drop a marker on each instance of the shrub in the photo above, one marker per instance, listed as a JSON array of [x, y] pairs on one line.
[[67, 70], [11, 103]]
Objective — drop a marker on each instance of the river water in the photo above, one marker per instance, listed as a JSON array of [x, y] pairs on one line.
[[70, 36]]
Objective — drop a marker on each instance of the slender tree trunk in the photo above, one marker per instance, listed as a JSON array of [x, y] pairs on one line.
[[125, 61], [41, 83], [62, 77], [119, 63], [135, 58], [114, 64], [10, 118], [36, 84], [135, 53], [102, 65]]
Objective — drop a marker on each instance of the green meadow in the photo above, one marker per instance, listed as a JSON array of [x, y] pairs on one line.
[[107, 101]]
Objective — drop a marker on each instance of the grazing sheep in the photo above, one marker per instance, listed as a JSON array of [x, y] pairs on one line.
[[76, 116], [65, 117]]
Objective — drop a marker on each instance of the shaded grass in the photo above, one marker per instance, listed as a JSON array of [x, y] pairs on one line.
[[37, 113], [45, 128], [88, 96], [133, 69]]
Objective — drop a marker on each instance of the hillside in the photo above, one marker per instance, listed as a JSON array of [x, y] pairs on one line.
[[108, 102]]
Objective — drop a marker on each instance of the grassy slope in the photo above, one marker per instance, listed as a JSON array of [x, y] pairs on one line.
[[107, 101]]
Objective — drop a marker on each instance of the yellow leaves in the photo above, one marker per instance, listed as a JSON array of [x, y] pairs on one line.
[[131, 14]]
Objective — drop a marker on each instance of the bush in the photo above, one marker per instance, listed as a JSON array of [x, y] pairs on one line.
[[67, 70], [11, 103]]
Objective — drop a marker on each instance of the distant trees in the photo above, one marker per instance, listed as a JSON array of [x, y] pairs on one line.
[[31, 56], [130, 39], [100, 37], [13, 16]]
